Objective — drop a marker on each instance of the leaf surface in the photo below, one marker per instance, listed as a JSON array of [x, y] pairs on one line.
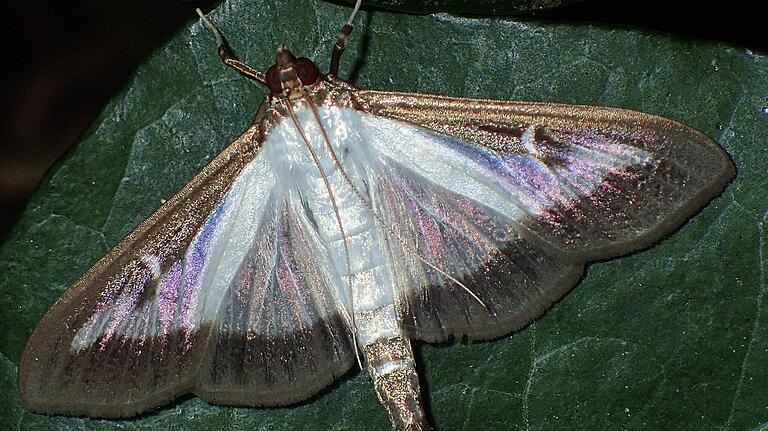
[[675, 337]]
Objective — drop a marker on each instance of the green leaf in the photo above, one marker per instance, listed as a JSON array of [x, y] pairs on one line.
[[675, 337]]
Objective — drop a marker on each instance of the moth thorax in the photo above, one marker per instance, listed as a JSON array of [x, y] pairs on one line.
[[290, 73]]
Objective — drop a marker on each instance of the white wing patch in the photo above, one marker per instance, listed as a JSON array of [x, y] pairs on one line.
[[529, 142]]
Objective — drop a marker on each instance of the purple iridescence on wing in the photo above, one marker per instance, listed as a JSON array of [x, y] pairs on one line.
[[153, 299], [168, 297], [195, 261], [429, 239], [546, 172], [288, 279], [531, 182], [122, 307], [593, 158], [451, 231], [429, 234]]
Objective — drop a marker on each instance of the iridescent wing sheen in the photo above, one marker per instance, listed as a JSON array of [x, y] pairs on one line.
[[281, 332], [216, 293], [507, 277], [540, 189]]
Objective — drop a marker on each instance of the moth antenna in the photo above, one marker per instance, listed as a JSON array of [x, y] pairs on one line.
[[381, 222], [341, 42], [213, 28], [354, 12], [338, 221], [226, 55]]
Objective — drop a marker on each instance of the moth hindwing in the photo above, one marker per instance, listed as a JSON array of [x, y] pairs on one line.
[[346, 222]]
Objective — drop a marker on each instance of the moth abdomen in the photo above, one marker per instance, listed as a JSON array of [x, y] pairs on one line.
[[393, 370]]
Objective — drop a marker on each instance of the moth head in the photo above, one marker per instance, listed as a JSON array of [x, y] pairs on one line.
[[289, 74]]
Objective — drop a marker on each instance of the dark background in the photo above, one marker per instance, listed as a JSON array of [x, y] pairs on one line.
[[64, 61]]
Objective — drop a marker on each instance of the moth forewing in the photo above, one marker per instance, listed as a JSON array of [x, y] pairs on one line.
[[544, 131], [73, 363], [345, 222]]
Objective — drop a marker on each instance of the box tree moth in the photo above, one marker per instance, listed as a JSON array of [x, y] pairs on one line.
[[345, 222]]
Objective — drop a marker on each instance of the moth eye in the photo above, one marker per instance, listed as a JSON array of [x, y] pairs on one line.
[[306, 70], [273, 80]]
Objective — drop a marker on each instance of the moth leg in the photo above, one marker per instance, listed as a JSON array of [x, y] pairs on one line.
[[226, 55], [341, 42]]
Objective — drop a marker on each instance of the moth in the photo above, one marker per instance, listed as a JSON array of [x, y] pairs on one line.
[[344, 223]]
